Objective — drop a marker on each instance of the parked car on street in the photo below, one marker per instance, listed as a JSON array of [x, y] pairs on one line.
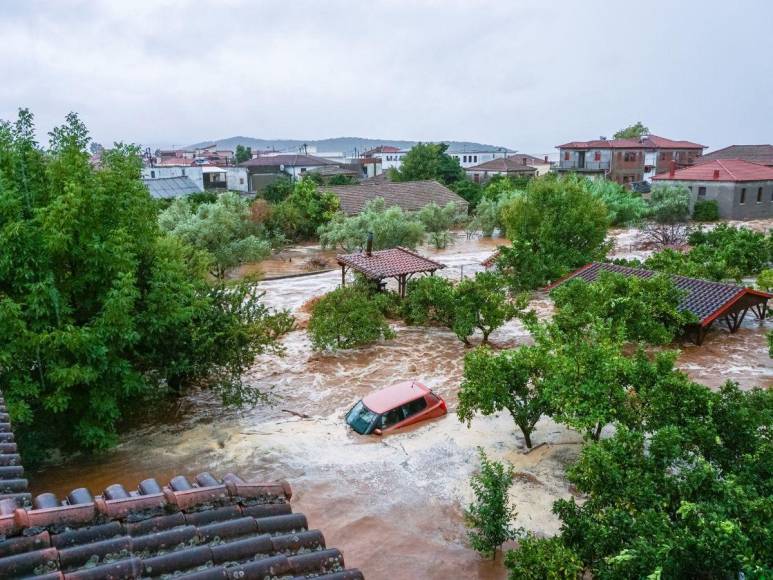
[[394, 407]]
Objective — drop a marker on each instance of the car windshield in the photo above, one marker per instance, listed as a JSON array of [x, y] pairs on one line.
[[360, 418]]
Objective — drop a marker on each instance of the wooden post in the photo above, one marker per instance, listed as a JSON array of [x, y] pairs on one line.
[[343, 275]]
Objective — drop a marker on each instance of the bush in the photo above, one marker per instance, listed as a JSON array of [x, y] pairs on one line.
[[299, 216], [542, 559], [623, 206], [279, 190], [487, 216], [390, 228], [744, 251], [705, 211], [438, 220], [765, 280], [670, 204], [490, 515], [429, 300], [345, 318], [555, 226]]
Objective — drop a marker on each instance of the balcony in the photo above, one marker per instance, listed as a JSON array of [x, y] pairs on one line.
[[573, 165]]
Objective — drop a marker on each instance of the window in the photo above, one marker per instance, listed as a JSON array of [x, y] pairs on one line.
[[476, 159], [152, 174], [596, 156], [241, 181], [619, 155], [701, 192], [303, 170], [662, 156], [743, 196], [465, 159], [392, 417], [629, 156], [414, 407], [566, 155], [759, 195], [183, 170]]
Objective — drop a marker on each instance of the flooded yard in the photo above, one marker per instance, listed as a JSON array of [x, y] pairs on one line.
[[392, 504]]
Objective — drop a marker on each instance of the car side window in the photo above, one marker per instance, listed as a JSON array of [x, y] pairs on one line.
[[392, 417], [415, 406]]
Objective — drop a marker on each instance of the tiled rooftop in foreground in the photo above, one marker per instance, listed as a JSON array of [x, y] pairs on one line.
[[204, 529]]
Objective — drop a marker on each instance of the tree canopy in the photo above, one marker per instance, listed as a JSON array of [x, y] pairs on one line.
[[634, 131], [429, 161], [242, 153]]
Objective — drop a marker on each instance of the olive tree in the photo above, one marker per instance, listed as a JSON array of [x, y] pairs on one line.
[[482, 303], [345, 318]]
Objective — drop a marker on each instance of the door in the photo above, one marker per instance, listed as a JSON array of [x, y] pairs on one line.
[[581, 160]]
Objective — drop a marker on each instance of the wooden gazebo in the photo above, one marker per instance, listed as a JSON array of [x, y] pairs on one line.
[[708, 301], [398, 263]]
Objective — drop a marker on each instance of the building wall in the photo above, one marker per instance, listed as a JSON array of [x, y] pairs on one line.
[[195, 174], [682, 157], [728, 196], [236, 178], [472, 158]]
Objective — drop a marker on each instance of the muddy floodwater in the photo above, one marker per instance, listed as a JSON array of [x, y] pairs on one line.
[[392, 504]]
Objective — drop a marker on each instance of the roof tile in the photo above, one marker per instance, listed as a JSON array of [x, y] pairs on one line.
[[721, 170], [388, 263], [409, 195]]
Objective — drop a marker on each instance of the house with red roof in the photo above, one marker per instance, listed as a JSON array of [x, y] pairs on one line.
[[742, 189], [627, 161]]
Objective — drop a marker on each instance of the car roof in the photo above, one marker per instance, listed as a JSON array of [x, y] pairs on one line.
[[395, 395]]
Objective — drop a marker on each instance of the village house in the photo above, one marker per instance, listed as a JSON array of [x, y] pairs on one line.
[[392, 157], [742, 190], [408, 195], [518, 165], [762, 154], [388, 156], [627, 161], [263, 170]]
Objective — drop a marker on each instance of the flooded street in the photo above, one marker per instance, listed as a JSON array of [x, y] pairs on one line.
[[392, 504]]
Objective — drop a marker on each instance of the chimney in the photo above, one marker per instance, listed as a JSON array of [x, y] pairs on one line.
[[672, 168], [716, 174], [524, 160], [369, 247], [546, 159]]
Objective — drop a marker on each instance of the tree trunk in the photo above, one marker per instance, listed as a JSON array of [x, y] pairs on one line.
[[526, 436], [597, 435]]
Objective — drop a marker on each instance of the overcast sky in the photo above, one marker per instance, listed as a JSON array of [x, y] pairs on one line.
[[524, 74]]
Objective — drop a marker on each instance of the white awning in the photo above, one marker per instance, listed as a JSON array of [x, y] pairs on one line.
[[212, 169]]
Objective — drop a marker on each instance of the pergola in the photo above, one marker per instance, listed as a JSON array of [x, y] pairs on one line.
[[708, 301], [398, 263]]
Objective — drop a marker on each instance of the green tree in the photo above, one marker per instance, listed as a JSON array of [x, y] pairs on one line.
[[429, 161], [482, 303], [634, 131], [511, 380], [706, 211], [487, 216], [243, 153], [765, 280], [346, 318], [639, 309], [490, 515], [99, 311], [623, 206], [542, 559], [278, 190], [341, 180], [304, 210], [438, 221], [223, 229], [670, 204], [555, 226], [389, 225], [468, 190]]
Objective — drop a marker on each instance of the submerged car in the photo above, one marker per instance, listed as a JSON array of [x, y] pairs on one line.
[[394, 407]]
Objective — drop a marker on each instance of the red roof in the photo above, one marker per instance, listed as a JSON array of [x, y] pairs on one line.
[[721, 170], [383, 149], [646, 142], [393, 396], [289, 160], [388, 263], [753, 153], [505, 165]]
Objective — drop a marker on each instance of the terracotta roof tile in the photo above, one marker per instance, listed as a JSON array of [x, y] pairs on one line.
[[721, 170], [409, 195], [646, 142], [705, 299], [388, 263], [13, 485], [506, 164], [287, 159], [754, 153]]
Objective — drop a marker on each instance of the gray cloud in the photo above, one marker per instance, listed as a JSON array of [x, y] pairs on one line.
[[525, 74]]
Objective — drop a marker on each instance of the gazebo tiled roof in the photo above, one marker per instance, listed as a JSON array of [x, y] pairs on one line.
[[388, 263], [707, 300]]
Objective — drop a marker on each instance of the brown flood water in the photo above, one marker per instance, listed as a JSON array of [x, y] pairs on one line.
[[393, 505]]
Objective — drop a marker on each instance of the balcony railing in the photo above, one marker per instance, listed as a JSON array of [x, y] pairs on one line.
[[587, 166]]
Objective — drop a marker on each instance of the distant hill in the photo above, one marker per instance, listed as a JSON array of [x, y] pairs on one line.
[[346, 145]]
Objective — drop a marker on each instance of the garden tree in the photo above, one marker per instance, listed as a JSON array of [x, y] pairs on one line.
[[341, 180], [345, 318], [588, 380], [542, 559], [278, 190], [504, 186], [99, 312], [429, 161], [765, 280], [511, 380], [705, 211], [487, 216], [634, 131], [438, 221], [482, 303], [468, 190], [638, 309], [389, 225], [243, 153], [556, 225], [303, 211], [223, 229], [670, 204], [490, 515], [429, 301], [623, 206], [744, 252]]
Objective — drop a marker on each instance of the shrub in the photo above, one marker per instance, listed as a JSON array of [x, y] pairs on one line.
[[305, 209], [490, 515], [429, 300], [390, 228], [542, 559], [438, 220], [559, 223], [670, 204], [623, 206], [744, 251], [765, 280], [705, 211], [279, 190], [345, 318], [487, 216]]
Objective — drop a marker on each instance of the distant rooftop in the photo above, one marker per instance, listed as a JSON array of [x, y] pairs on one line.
[[507, 165], [721, 170], [409, 195], [170, 187], [754, 153], [289, 160], [646, 142]]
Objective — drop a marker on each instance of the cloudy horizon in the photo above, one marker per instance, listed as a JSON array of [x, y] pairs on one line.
[[526, 75]]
